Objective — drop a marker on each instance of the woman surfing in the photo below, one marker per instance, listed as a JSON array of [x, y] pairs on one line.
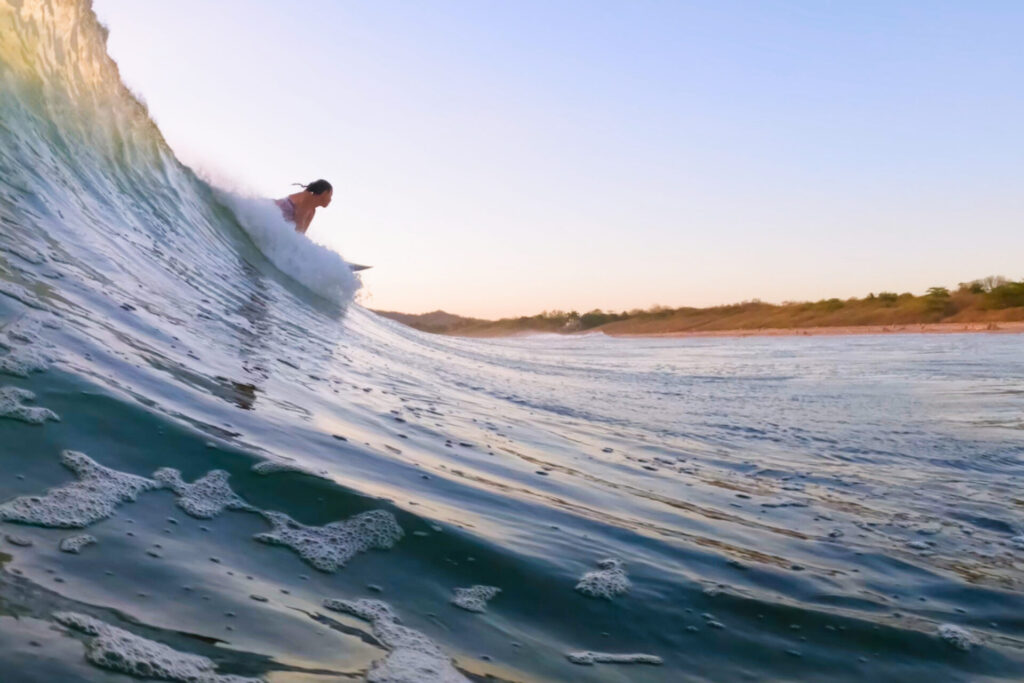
[[299, 208]]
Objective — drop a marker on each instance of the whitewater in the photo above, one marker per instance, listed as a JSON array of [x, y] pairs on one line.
[[218, 467]]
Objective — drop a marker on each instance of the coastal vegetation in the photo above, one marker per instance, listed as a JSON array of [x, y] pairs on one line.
[[988, 300]]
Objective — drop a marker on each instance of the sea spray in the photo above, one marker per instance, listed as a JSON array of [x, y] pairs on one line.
[[312, 265]]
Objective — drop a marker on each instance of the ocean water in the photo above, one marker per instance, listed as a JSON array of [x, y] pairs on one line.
[[216, 466]]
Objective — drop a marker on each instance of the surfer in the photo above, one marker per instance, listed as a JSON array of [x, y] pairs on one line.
[[299, 208]]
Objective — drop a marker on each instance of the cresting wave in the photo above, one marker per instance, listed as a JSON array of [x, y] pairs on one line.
[[218, 468]]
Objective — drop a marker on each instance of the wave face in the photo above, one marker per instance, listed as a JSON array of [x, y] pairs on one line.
[[217, 467]]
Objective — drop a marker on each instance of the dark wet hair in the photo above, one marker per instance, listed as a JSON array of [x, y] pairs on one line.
[[317, 186]]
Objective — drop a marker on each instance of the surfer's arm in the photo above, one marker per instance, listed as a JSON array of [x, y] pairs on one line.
[[302, 222]]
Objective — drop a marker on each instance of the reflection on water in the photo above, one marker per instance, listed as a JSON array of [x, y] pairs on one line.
[[252, 338]]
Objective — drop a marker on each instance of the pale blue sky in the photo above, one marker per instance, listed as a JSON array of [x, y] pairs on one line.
[[504, 158]]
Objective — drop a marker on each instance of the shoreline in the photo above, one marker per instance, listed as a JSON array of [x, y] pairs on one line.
[[1007, 327], [1015, 327]]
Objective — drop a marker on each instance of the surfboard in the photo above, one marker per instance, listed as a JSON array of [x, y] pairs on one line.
[[356, 266]]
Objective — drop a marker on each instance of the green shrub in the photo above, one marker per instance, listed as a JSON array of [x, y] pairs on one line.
[[829, 304], [597, 317], [1006, 295], [937, 300], [888, 298]]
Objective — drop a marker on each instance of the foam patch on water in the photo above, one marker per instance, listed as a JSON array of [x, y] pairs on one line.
[[608, 581], [118, 650], [11, 407], [958, 637], [329, 547], [28, 329], [23, 362], [93, 497], [587, 658], [315, 267], [26, 347], [474, 598], [74, 544], [206, 497], [413, 657], [274, 466]]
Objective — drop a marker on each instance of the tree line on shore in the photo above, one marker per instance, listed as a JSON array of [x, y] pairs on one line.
[[990, 299]]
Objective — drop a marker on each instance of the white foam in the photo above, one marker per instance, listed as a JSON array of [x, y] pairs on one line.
[[26, 346], [474, 598], [204, 498], [412, 658], [11, 400], [588, 658], [312, 265], [122, 651], [331, 546], [956, 636], [93, 497], [74, 544], [608, 581], [26, 329], [273, 466], [23, 361]]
